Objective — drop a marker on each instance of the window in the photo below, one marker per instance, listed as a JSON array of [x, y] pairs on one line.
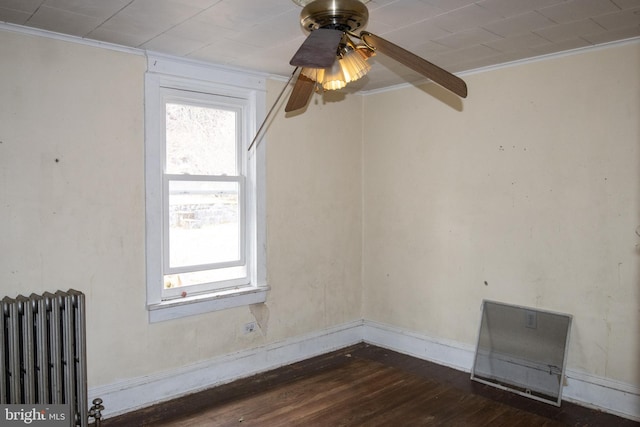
[[204, 192]]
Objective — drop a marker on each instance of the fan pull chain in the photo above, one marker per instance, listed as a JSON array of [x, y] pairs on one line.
[[264, 122]]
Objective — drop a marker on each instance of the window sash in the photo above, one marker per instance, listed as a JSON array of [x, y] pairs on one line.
[[207, 100], [234, 282], [242, 243]]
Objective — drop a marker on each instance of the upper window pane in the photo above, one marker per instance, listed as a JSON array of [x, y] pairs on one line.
[[200, 140]]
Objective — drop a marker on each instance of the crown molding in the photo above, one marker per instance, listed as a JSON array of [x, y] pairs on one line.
[[186, 62], [15, 28]]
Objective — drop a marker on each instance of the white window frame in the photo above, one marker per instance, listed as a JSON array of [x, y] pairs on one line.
[[240, 107], [167, 78]]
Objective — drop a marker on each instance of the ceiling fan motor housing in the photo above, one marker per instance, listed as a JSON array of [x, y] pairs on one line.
[[343, 15]]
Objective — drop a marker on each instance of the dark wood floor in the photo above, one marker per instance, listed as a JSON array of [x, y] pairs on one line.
[[362, 386]]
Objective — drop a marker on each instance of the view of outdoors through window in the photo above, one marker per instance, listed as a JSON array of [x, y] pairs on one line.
[[204, 192], [200, 140]]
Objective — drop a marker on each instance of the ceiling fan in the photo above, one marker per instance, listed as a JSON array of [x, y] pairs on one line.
[[329, 58], [332, 25]]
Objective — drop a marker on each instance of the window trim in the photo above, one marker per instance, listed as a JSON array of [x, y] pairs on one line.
[[166, 72]]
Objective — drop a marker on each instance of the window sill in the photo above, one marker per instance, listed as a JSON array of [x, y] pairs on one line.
[[204, 303]]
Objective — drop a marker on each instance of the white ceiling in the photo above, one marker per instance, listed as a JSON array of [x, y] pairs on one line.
[[263, 35]]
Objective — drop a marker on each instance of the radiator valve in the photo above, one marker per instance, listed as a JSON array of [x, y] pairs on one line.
[[96, 411]]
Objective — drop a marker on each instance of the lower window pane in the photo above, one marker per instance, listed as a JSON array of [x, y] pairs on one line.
[[204, 226]]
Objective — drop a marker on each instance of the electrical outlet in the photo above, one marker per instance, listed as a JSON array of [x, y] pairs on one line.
[[531, 319], [249, 327]]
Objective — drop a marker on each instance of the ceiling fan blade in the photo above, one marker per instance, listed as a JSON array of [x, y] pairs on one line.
[[319, 50], [422, 66], [301, 94]]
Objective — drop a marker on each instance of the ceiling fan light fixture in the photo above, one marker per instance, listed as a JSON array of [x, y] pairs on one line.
[[345, 70], [350, 65], [353, 65], [333, 77]]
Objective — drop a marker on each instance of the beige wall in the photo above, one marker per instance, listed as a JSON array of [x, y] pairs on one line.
[[314, 220], [528, 192], [79, 222]]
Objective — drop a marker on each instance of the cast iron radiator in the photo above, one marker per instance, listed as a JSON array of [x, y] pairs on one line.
[[43, 357]]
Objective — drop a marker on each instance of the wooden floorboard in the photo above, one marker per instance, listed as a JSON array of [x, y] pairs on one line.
[[362, 385]]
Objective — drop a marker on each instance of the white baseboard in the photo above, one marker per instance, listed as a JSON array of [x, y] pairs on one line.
[[448, 353], [137, 393], [602, 393], [584, 389]]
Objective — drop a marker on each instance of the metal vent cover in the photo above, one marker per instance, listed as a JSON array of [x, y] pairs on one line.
[[522, 350]]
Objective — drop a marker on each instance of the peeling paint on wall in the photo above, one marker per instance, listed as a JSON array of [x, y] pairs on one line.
[[261, 314]]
